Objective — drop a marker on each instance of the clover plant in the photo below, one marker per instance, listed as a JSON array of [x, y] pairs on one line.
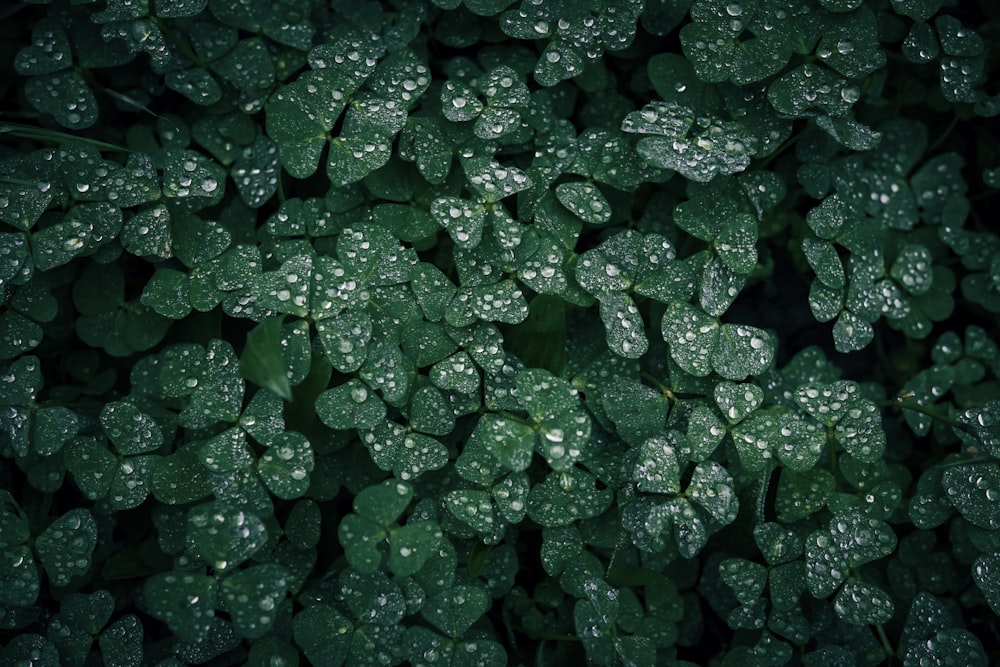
[[499, 332]]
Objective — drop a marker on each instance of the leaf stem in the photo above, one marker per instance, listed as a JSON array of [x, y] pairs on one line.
[[944, 134], [545, 635], [885, 642], [903, 403], [46, 135], [649, 377]]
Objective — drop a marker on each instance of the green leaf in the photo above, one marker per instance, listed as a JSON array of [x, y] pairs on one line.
[[802, 494], [912, 269], [860, 603], [692, 337], [353, 157], [385, 502], [464, 220], [585, 201], [345, 339], [511, 442], [704, 433], [719, 147], [66, 547], [262, 361], [567, 496], [411, 546], [378, 508], [554, 407], [64, 95], [456, 373], [223, 534], [324, 634], [809, 87], [129, 429], [737, 401], [48, 52], [736, 243], [700, 344], [746, 578], [974, 490], [492, 181], [949, 648], [459, 102], [350, 405], [919, 10], [850, 541], [253, 596], [638, 411], [777, 544], [19, 576], [184, 601], [455, 611], [79, 233], [190, 175], [407, 453], [474, 508], [851, 333], [849, 132], [657, 469], [286, 465]]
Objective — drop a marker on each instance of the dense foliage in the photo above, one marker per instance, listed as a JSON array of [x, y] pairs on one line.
[[499, 332]]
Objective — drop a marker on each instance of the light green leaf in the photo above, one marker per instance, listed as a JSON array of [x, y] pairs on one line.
[[737, 401], [567, 496], [66, 547], [464, 220], [692, 337], [860, 603], [720, 148], [184, 601], [455, 611], [657, 469], [286, 465], [511, 442], [459, 102], [810, 86], [324, 634], [350, 405], [411, 546], [253, 596], [746, 578], [585, 201], [129, 429], [66, 96], [262, 361], [223, 534], [974, 490]]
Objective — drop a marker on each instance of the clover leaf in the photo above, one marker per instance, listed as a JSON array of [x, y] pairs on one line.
[[631, 263], [700, 344], [699, 148], [377, 511]]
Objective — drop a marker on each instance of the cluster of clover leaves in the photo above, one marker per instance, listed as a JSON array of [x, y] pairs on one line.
[[492, 332]]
